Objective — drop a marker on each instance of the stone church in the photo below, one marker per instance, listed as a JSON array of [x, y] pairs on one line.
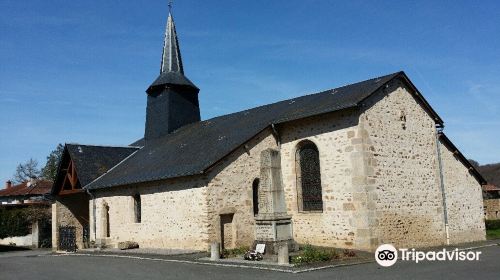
[[351, 167]]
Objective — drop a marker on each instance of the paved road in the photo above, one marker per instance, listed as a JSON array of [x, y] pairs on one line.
[[26, 265]]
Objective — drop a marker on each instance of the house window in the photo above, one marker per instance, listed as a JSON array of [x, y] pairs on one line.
[[137, 208], [255, 193], [308, 177]]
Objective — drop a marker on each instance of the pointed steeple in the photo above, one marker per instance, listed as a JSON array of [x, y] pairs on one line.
[[172, 98], [171, 60], [171, 69]]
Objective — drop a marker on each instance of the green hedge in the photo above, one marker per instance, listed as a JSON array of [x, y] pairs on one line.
[[14, 222], [492, 224]]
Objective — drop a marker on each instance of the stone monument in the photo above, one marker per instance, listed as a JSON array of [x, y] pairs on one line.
[[273, 226]]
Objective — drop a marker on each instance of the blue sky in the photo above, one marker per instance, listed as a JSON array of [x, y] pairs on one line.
[[77, 71]]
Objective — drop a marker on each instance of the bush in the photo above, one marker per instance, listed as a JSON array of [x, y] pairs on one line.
[[312, 254], [16, 221], [228, 253], [492, 234], [492, 224], [13, 222]]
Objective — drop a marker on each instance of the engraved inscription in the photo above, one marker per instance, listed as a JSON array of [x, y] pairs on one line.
[[264, 232]]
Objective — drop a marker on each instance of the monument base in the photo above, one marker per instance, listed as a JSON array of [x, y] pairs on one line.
[[272, 247], [274, 231]]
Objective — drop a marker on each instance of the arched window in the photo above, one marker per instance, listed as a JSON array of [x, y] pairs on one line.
[[308, 177], [255, 193], [137, 208]]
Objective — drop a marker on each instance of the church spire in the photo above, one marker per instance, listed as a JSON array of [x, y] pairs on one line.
[[171, 59], [171, 68], [172, 97]]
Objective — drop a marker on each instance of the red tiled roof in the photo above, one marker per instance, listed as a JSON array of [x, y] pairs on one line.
[[40, 187], [13, 189], [490, 188]]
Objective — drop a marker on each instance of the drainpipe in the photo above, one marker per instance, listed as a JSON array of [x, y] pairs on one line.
[[439, 130], [93, 213]]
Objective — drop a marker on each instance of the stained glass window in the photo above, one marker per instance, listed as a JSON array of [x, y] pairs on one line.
[[310, 177]]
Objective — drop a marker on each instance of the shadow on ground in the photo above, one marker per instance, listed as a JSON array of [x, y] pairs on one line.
[[6, 248]]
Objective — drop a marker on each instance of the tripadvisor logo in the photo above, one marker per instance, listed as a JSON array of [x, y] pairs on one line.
[[387, 255]]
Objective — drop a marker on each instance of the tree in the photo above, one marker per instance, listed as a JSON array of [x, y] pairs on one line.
[[26, 171], [49, 171], [474, 163]]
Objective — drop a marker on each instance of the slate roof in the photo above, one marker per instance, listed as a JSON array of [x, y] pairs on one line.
[[473, 171], [91, 161], [39, 188], [171, 60], [172, 78], [194, 148], [138, 143]]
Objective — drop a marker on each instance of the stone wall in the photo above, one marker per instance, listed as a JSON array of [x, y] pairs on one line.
[[26, 240], [492, 209], [174, 214], [332, 134], [70, 210], [379, 174], [230, 191], [464, 200], [402, 181]]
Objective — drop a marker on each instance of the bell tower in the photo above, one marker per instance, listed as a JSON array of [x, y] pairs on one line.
[[172, 98]]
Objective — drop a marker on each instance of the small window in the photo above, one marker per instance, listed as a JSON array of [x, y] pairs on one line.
[[137, 208], [255, 192], [308, 177], [108, 228]]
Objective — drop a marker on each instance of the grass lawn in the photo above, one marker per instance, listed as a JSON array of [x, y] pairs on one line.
[[493, 233]]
